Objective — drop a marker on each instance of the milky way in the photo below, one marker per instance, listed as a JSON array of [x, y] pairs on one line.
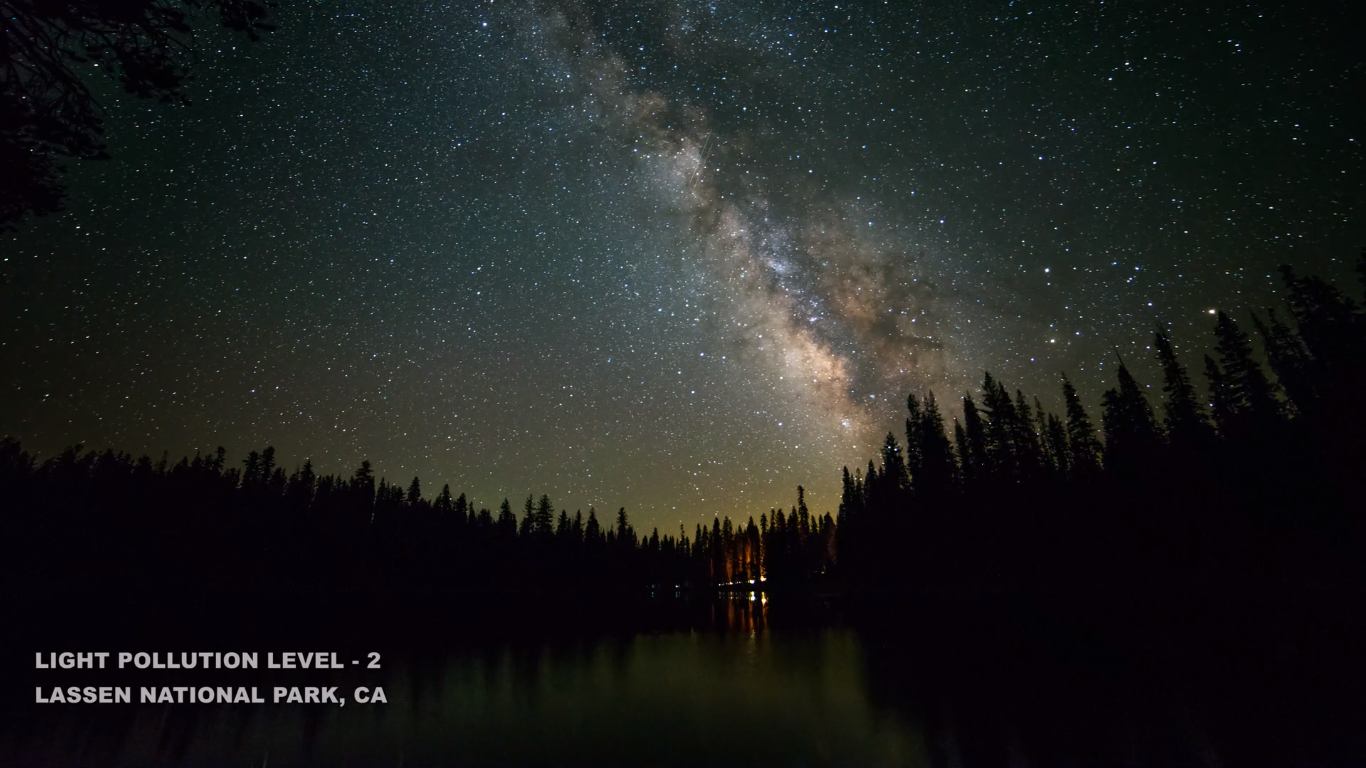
[[679, 257], [803, 292]]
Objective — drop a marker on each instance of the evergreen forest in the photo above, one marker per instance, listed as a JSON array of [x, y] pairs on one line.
[[1244, 474]]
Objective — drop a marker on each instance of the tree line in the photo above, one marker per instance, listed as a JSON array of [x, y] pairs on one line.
[[1255, 475], [1252, 475], [301, 527]]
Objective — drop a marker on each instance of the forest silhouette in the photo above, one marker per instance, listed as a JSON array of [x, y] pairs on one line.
[[1250, 481]]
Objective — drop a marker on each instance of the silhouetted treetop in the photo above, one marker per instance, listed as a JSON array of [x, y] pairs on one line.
[[47, 111]]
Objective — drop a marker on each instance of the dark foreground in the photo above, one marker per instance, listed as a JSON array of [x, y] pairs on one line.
[[952, 679]]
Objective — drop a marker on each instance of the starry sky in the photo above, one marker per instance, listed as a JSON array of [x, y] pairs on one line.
[[676, 256]]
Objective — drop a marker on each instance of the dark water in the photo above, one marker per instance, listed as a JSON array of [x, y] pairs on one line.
[[941, 686]]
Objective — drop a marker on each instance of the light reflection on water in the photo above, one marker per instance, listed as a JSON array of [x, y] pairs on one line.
[[743, 694], [938, 691]]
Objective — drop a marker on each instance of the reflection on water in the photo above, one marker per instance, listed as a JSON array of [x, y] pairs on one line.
[[737, 693]]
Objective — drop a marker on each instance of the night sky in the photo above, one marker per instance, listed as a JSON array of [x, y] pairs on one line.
[[679, 258]]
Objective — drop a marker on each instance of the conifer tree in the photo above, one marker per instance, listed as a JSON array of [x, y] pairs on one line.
[[1025, 436], [966, 473], [507, 521], [1056, 437], [544, 525], [1328, 320], [937, 464], [1187, 425], [414, 496], [976, 462], [1295, 368], [1132, 438], [1220, 404], [1249, 398], [592, 530], [891, 491], [251, 470], [1083, 447], [1000, 429], [363, 489], [914, 440], [625, 534], [1047, 456], [528, 523]]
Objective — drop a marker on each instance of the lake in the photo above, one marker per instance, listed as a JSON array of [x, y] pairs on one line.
[[734, 685]]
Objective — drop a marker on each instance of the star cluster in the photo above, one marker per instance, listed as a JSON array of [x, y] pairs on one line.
[[678, 257]]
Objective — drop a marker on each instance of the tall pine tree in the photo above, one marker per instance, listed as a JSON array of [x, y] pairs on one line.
[[1187, 425], [1083, 456]]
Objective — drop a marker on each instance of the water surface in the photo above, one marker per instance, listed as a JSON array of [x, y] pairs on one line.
[[939, 688]]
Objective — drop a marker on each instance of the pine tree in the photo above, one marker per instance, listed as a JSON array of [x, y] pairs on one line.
[[914, 440], [507, 522], [251, 472], [1328, 320], [1047, 455], [625, 534], [267, 461], [592, 530], [937, 465], [976, 462], [1000, 429], [1028, 451], [966, 473], [1220, 404], [528, 523], [1083, 447], [1187, 425], [363, 490], [1332, 330], [544, 525], [1250, 399], [1295, 368], [1132, 438], [891, 491], [1056, 437]]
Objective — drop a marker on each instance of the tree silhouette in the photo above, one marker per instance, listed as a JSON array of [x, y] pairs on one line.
[[47, 111], [1083, 447], [543, 525], [1132, 438], [937, 469], [507, 521], [1246, 400], [1000, 430], [1184, 418], [1275, 502], [972, 447]]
